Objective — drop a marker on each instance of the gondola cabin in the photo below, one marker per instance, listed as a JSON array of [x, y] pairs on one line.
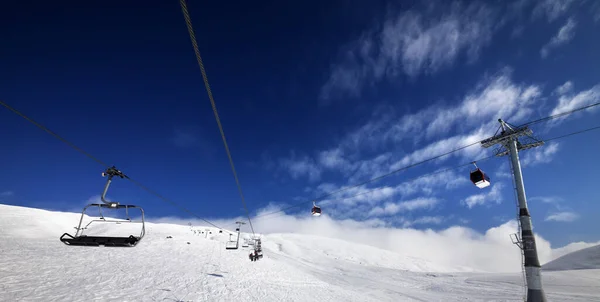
[[316, 211], [480, 179]]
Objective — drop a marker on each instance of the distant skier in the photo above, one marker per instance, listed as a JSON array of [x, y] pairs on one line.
[[251, 257]]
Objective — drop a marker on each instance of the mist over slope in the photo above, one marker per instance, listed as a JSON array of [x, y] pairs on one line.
[[180, 263]]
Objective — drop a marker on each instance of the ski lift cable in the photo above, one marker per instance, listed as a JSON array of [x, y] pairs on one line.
[[103, 163], [551, 117], [324, 196], [572, 133], [421, 176], [190, 28], [430, 159]]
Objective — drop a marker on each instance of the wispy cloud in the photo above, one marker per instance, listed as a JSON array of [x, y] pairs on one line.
[[564, 35], [562, 217], [301, 166], [492, 195], [564, 88], [551, 9], [427, 184], [411, 42], [559, 213], [539, 155], [569, 101], [7, 193], [474, 117], [425, 220], [546, 199], [503, 171], [391, 208]]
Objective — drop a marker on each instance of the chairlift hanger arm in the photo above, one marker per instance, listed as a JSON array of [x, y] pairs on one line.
[[111, 172]]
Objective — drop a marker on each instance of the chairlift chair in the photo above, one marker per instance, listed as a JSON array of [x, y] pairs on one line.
[[81, 239], [479, 178]]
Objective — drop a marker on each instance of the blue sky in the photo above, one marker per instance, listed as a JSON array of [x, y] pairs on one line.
[[313, 97]]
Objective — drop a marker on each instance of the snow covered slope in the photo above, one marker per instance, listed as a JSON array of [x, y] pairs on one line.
[[588, 258], [36, 266]]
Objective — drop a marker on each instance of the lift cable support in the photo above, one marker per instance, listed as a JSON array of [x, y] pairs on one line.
[[145, 188], [80, 239], [508, 139], [192, 35], [515, 238]]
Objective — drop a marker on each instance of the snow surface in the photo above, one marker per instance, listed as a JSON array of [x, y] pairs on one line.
[[588, 258], [36, 266]]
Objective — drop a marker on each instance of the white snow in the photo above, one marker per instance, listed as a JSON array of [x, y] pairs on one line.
[[36, 266], [588, 258]]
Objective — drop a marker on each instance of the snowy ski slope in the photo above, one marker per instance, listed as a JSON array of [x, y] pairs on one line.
[[36, 266], [588, 258]]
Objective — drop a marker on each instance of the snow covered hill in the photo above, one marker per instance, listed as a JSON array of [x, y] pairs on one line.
[[194, 266], [588, 258]]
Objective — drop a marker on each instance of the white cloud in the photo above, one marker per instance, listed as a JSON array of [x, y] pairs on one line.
[[552, 9], [494, 97], [539, 155], [503, 171], [546, 199], [333, 159], [564, 35], [572, 247], [411, 42], [391, 208], [562, 217], [303, 166], [428, 220], [565, 88], [474, 116], [568, 102], [485, 198], [440, 147], [425, 185]]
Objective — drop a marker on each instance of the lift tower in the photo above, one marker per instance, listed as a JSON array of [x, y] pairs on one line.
[[508, 139]]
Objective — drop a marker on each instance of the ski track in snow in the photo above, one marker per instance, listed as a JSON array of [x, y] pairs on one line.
[[36, 266]]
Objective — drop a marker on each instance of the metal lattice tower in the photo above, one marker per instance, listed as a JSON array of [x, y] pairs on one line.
[[510, 144]]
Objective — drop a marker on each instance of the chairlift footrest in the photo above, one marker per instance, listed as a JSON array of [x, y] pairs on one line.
[[130, 241]]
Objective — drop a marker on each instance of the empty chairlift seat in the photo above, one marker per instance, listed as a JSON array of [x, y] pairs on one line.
[[130, 231]]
